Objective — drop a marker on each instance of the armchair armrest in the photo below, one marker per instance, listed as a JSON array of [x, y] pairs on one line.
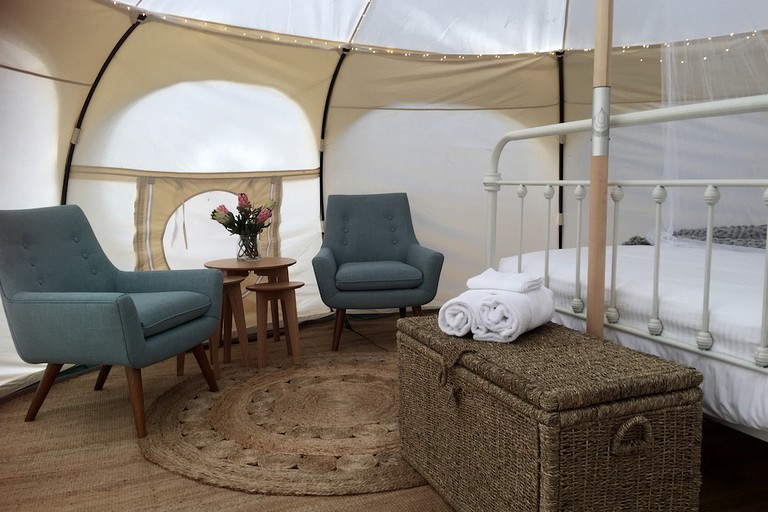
[[201, 280], [74, 327], [325, 268], [429, 261]]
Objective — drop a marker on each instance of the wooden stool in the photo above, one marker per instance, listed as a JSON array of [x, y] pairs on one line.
[[284, 291], [231, 306]]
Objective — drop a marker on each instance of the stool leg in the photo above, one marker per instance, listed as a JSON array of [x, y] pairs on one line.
[[288, 344], [261, 329], [285, 322], [226, 327], [236, 301], [292, 324], [275, 315]]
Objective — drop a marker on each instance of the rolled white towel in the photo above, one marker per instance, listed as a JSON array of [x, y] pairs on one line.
[[493, 279], [459, 315], [505, 315]]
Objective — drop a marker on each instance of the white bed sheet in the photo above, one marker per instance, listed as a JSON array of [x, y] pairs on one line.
[[731, 393]]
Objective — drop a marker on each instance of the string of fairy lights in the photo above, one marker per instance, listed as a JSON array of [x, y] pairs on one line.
[[277, 38]]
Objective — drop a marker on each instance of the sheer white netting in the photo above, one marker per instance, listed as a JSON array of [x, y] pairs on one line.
[[735, 146]]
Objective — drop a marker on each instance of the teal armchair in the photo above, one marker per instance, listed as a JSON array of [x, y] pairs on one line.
[[370, 257], [65, 302]]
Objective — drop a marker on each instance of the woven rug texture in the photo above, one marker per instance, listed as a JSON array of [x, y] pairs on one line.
[[326, 427]]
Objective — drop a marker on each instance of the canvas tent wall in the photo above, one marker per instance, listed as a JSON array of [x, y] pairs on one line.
[[204, 100]]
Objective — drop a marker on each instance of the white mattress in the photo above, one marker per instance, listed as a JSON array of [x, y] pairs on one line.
[[731, 393]]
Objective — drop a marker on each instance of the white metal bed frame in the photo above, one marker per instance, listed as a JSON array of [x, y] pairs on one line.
[[493, 182]]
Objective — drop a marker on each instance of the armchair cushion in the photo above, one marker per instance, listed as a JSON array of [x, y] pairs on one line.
[[160, 311], [377, 275]]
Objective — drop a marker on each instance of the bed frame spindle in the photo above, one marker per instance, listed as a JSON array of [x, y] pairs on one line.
[[654, 324], [577, 304], [761, 354], [612, 313], [492, 187], [704, 338], [549, 193], [522, 191]]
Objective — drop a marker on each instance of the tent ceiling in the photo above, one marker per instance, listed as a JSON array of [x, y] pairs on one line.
[[320, 19], [52, 45], [458, 27]]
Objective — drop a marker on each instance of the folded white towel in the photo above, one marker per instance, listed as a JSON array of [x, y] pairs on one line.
[[459, 315], [492, 279], [505, 315]]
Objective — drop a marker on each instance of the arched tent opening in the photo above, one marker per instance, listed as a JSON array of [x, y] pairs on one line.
[[206, 100]]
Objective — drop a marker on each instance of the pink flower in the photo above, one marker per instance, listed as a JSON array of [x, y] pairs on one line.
[[263, 215], [221, 215], [247, 220]]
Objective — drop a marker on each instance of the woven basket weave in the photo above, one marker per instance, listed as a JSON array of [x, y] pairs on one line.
[[556, 421]]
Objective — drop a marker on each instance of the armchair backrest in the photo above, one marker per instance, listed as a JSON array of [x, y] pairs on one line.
[[51, 249], [369, 227]]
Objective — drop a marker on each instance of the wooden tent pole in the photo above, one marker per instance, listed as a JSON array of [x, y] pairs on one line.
[[598, 188]]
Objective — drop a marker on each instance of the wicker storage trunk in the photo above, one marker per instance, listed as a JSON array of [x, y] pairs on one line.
[[556, 421]]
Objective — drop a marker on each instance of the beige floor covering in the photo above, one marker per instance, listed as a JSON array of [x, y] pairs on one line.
[[81, 454]]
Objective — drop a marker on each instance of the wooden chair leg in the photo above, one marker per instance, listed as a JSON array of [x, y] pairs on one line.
[[49, 377], [102, 378], [402, 312], [205, 367], [213, 347], [136, 391], [417, 310], [180, 364], [338, 326]]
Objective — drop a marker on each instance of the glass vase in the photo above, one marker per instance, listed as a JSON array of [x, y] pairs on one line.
[[248, 248]]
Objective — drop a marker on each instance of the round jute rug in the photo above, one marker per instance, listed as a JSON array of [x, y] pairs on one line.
[[326, 427]]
